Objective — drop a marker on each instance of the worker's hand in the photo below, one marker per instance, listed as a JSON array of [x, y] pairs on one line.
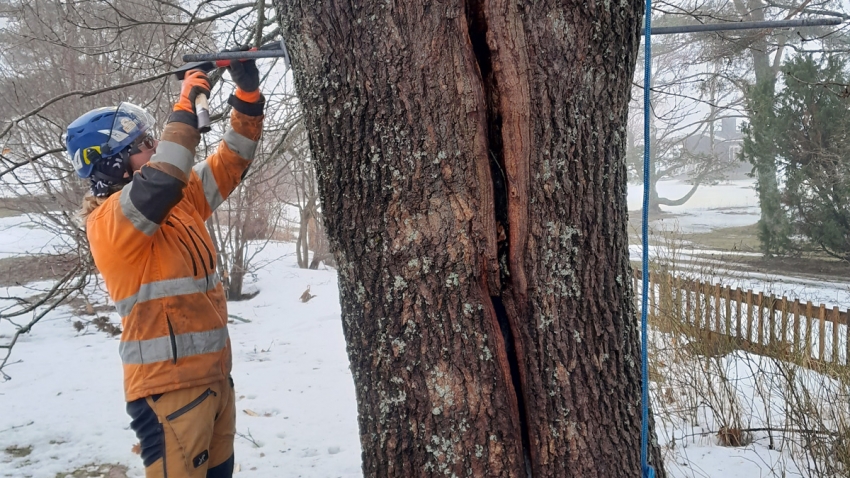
[[194, 83], [247, 78]]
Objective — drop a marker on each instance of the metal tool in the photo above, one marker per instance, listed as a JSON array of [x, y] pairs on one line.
[[209, 61]]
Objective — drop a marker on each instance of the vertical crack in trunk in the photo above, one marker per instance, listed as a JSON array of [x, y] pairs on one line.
[[477, 21], [510, 351]]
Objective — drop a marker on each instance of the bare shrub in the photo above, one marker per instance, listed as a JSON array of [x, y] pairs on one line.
[[711, 382]]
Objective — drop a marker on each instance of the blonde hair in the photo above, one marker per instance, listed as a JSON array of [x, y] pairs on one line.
[[92, 202]]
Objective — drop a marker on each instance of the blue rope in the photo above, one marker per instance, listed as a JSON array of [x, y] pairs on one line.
[[646, 470]]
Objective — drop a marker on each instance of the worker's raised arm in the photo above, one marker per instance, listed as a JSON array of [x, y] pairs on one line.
[[158, 185], [216, 177]]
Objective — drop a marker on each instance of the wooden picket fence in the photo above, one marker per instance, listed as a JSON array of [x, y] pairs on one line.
[[811, 335]]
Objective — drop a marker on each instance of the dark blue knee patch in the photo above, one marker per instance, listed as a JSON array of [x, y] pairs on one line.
[[224, 470], [148, 430]]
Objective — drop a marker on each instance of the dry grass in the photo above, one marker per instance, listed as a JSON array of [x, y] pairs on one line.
[[744, 238], [734, 437], [24, 269], [96, 471], [18, 451], [727, 244]]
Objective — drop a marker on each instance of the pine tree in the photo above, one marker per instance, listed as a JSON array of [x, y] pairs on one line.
[[811, 138]]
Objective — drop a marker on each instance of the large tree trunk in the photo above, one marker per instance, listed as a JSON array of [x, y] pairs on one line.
[[774, 229], [471, 166]]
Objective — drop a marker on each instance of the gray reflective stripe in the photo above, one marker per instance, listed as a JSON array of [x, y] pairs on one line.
[[240, 145], [197, 343], [138, 220], [167, 288], [140, 352], [174, 154], [211, 192]]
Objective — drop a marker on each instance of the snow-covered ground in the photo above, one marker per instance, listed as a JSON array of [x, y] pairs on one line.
[[296, 406], [691, 445], [728, 204], [19, 235], [296, 403], [831, 292]]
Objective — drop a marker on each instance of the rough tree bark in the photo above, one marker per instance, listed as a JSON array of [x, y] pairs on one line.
[[470, 156]]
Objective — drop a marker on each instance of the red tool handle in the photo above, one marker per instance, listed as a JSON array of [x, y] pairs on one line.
[[226, 63]]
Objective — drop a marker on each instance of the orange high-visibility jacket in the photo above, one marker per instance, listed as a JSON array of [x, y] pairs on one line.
[[158, 262]]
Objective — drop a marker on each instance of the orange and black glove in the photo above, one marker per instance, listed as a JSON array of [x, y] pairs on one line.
[[247, 98], [194, 83]]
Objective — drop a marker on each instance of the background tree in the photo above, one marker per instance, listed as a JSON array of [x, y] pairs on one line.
[[244, 224], [311, 235], [751, 60], [689, 105], [809, 133], [470, 160]]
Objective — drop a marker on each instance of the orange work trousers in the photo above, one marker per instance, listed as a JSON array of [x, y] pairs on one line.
[[187, 433]]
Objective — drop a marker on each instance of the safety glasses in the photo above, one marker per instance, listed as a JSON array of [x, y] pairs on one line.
[[144, 143]]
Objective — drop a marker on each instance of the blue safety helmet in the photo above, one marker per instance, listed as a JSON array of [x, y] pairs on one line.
[[105, 133]]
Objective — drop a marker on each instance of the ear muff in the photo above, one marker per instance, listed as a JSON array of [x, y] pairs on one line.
[[91, 154]]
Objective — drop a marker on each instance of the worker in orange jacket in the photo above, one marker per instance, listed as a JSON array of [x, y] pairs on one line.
[[145, 223]]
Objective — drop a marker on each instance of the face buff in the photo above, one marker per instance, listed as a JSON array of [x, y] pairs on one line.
[[108, 175]]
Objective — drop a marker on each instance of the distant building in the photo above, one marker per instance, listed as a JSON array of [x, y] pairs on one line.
[[728, 141]]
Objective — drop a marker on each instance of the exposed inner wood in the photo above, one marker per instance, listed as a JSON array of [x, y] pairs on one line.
[[506, 95]]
